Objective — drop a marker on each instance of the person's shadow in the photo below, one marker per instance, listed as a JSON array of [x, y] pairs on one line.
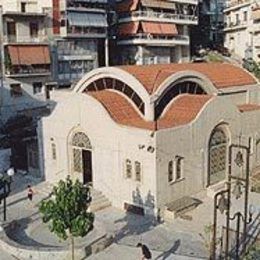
[[172, 250]]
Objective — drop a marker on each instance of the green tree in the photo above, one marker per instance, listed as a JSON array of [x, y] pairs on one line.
[[66, 210]]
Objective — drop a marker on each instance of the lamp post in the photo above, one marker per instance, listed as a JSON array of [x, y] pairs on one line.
[[222, 201], [5, 187]]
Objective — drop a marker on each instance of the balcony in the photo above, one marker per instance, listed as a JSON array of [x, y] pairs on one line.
[[86, 32], [160, 17], [24, 39], [234, 5], [27, 71], [233, 26], [154, 40]]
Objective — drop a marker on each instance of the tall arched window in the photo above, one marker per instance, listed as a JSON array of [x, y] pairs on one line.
[[79, 142], [217, 156]]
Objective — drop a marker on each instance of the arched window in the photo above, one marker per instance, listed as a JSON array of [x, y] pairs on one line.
[[81, 140], [217, 156], [111, 83], [175, 90]]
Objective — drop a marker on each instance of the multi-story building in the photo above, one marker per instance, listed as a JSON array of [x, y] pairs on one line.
[[79, 38], [25, 76], [242, 28], [151, 31], [25, 57], [209, 31]]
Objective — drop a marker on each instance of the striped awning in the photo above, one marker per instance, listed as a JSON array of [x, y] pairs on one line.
[[83, 19], [153, 28], [29, 54], [158, 4]]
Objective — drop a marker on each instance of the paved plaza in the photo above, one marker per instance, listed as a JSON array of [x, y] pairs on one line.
[[181, 239]]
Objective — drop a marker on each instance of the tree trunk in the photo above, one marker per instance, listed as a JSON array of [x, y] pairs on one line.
[[72, 248]]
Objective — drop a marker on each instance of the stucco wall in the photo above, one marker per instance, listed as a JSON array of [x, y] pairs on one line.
[[111, 146], [191, 142]]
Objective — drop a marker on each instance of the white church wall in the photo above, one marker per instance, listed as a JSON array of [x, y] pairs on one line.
[[191, 143], [111, 146]]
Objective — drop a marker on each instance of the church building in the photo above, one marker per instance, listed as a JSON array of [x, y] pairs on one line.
[[147, 136]]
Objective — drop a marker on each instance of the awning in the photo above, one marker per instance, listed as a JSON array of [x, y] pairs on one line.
[[131, 28], [159, 28], [128, 28], [158, 4], [29, 54], [256, 14], [83, 19], [127, 5]]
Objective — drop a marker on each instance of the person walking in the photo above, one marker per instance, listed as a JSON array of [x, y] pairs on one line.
[[146, 253], [29, 193]]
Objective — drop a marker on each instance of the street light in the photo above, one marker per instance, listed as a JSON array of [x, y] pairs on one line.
[[5, 186]]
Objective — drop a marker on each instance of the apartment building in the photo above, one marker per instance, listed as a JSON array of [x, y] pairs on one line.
[[79, 38], [25, 58], [209, 31], [152, 31], [242, 28]]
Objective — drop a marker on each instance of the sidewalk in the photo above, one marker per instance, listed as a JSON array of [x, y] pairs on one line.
[[132, 253]]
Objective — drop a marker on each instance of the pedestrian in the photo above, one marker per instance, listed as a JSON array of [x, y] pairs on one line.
[[146, 253], [29, 193]]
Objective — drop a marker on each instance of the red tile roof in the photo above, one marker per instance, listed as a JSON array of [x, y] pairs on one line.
[[222, 75], [248, 107], [183, 110], [29, 54]]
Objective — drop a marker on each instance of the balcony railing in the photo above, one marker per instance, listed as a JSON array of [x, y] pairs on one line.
[[235, 24], [157, 15], [161, 39], [27, 70], [24, 39], [86, 31]]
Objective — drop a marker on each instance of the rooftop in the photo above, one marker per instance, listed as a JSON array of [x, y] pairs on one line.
[[222, 75]]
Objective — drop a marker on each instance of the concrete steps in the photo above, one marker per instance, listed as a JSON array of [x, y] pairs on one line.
[[99, 201]]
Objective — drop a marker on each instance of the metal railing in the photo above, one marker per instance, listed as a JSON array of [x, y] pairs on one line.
[[144, 36], [158, 15]]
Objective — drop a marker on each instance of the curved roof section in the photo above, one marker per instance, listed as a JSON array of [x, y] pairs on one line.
[[222, 75], [181, 111]]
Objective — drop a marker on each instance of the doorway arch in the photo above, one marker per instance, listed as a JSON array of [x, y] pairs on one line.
[[217, 155], [82, 156]]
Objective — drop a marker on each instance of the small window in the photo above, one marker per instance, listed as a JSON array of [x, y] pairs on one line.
[[245, 16], [170, 171], [128, 169], [137, 171], [16, 90], [53, 151], [178, 167], [23, 7], [37, 87], [34, 29]]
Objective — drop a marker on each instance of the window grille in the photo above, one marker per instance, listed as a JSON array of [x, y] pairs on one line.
[[170, 171], [53, 151], [77, 160], [137, 171], [128, 169], [81, 140]]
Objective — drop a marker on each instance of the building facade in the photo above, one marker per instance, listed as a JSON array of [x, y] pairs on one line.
[[209, 32], [150, 135], [154, 32], [79, 38], [242, 33]]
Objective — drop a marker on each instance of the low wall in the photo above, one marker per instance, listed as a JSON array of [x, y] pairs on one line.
[[46, 252]]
